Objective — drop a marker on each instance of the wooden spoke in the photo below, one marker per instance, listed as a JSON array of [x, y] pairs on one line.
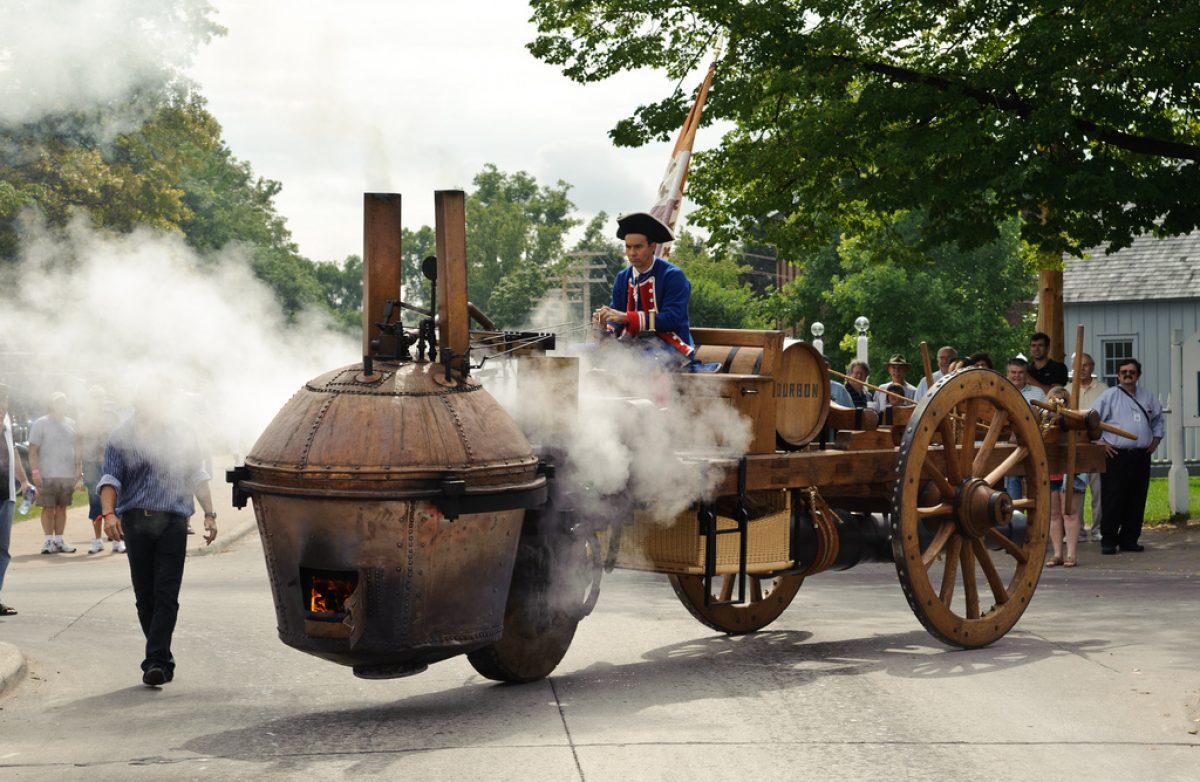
[[989, 442], [1002, 469], [950, 572], [1012, 548], [756, 590], [953, 468], [941, 509], [937, 544], [1025, 503], [935, 475], [970, 589], [989, 571], [970, 418], [727, 585]]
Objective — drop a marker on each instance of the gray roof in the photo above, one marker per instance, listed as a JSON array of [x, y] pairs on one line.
[[1146, 270]]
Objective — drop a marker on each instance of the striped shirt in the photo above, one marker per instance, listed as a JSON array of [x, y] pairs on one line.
[[155, 469]]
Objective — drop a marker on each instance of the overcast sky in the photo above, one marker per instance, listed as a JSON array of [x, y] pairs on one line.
[[337, 99]]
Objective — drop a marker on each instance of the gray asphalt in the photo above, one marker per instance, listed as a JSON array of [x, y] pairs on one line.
[[1099, 680]]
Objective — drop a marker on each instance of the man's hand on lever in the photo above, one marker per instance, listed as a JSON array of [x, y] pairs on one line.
[[609, 315]]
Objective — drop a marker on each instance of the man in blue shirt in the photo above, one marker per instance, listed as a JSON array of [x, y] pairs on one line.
[[152, 469], [1126, 477], [650, 296]]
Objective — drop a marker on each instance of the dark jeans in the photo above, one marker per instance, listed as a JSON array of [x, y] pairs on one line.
[[92, 472], [1123, 488], [156, 544]]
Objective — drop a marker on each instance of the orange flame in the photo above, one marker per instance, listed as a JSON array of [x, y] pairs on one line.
[[329, 595]]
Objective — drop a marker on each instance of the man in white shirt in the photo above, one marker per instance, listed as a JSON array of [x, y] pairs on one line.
[[946, 356]]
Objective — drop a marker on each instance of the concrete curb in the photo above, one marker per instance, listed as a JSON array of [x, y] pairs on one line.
[[12, 668], [224, 540]]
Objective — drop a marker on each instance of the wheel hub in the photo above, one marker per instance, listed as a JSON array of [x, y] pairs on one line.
[[981, 507]]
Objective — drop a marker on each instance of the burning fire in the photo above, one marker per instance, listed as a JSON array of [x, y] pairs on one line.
[[328, 595]]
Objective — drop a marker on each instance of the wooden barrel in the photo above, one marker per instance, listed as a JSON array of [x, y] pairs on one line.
[[802, 394], [734, 360], [800, 380]]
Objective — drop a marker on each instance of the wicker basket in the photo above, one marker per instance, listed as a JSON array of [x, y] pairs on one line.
[[676, 546]]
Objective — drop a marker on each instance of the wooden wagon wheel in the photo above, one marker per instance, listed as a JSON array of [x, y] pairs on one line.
[[766, 599], [949, 504]]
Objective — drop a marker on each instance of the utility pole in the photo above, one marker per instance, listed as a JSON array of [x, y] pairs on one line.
[[580, 274]]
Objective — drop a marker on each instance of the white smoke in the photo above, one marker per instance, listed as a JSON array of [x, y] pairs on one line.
[[85, 56], [136, 312], [635, 436]]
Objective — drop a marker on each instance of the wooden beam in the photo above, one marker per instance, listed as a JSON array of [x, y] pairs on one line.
[[450, 218], [381, 264]]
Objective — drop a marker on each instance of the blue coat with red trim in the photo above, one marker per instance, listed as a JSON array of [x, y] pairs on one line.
[[656, 301]]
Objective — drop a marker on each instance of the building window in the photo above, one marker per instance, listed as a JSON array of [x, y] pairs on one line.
[[1115, 350]]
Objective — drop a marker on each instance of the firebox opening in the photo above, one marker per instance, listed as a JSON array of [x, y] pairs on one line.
[[325, 592]]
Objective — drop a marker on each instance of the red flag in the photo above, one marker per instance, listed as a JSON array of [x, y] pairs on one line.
[[670, 192]]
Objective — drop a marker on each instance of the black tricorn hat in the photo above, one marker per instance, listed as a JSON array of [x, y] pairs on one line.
[[645, 224]]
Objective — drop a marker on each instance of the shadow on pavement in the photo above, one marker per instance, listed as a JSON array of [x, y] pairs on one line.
[[483, 714]]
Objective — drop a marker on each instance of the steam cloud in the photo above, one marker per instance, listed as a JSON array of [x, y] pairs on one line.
[[59, 56], [622, 445], [133, 312]]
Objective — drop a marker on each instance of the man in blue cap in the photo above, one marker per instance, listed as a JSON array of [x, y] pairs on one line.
[[650, 296]]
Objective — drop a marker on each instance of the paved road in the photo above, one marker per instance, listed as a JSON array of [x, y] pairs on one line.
[[1099, 681]]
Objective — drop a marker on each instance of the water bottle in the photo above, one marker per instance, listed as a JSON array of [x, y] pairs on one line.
[[27, 501]]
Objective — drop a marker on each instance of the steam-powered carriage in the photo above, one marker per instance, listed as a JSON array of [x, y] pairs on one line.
[[407, 518]]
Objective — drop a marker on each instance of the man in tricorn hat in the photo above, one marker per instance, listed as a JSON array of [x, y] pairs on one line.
[[650, 296]]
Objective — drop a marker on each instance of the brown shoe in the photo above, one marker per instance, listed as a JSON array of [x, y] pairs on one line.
[[1069, 562], [1054, 561]]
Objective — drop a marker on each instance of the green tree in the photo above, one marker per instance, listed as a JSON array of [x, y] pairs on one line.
[[342, 288], [515, 230], [173, 172], [415, 247], [720, 298], [974, 111], [975, 300]]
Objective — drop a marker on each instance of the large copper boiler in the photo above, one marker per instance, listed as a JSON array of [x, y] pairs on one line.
[[390, 494]]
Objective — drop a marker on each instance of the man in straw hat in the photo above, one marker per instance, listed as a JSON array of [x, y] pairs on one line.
[[897, 368], [650, 296]]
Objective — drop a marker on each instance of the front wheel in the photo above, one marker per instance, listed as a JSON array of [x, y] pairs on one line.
[[553, 581]]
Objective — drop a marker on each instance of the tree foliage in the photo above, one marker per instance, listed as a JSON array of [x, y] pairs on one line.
[[173, 172], [975, 300], [1081, 117], [720, 298], [515, 231]]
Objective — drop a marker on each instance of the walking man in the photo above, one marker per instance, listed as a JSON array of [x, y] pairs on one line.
[[152, 469], [1126, 478], [56, 464]]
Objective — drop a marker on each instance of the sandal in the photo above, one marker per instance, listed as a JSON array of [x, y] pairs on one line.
[[1054, 561], [7, 610], [1069, 562]]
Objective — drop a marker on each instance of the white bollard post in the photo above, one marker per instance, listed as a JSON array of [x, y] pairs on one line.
[[1177, 476], [862, 324]]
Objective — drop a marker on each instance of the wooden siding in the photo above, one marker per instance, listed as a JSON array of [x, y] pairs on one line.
[[1150, 323]]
